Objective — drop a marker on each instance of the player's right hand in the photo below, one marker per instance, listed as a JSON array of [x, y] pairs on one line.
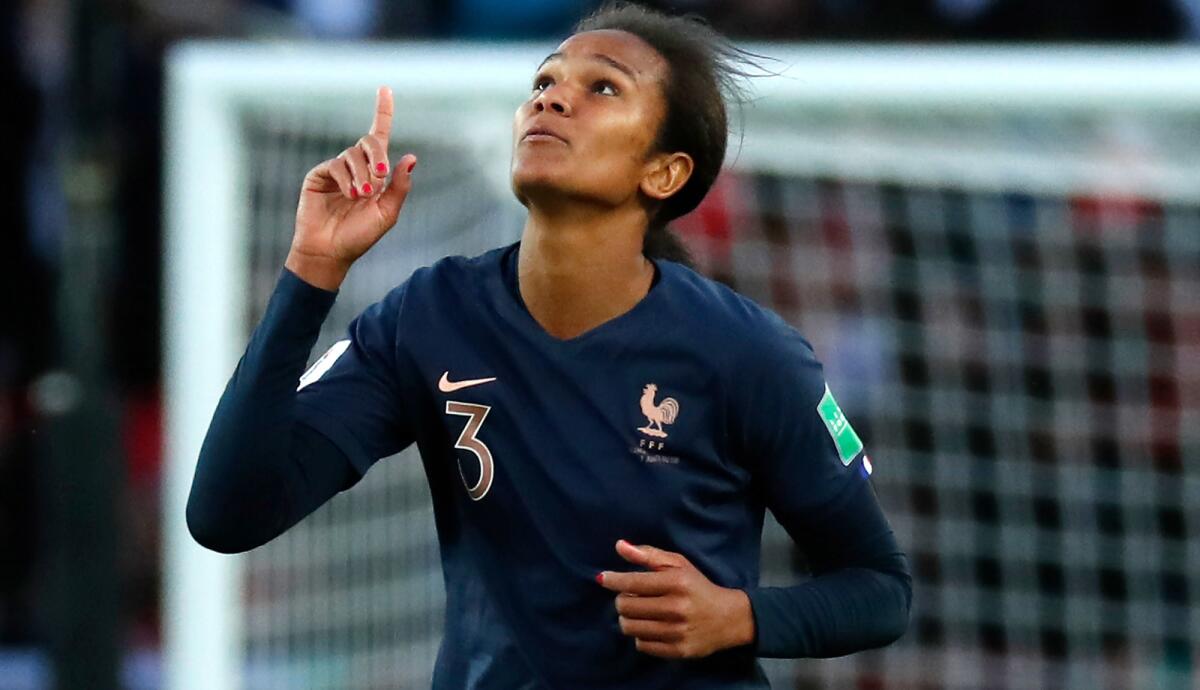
[[347, 203]]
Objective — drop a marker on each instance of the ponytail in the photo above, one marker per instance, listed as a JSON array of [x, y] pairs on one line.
[[662, 243]]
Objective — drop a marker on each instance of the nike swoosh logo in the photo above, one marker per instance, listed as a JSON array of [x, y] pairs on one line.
[[445, 385]]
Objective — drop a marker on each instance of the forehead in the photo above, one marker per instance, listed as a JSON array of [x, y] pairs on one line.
[[621, 46]]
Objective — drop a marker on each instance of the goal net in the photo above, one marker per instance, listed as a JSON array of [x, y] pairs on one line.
[[996, 253]]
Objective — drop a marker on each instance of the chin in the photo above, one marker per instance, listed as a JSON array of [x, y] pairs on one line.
[[542, 180], [530, 178], [528, 191]]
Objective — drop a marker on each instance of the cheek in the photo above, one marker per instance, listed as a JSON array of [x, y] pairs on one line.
[[622, 143], [607, 156]]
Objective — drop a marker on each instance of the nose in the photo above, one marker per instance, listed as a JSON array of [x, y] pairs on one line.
[[552, 98]]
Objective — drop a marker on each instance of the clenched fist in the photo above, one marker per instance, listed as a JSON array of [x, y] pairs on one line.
[[347, 203]]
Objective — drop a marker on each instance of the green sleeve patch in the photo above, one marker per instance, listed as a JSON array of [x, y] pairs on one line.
[[848, 443]]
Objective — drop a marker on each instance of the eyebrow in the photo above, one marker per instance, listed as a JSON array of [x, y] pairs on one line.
[[598, 56]]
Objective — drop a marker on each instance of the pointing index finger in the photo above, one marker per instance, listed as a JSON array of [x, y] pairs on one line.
[[381, 126]]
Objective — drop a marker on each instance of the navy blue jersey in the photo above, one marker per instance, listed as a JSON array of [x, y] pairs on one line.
[[675, 424]]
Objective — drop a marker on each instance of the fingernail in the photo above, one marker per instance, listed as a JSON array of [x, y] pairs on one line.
[[411, 166], [381, 168], [367, 189], [599, 578], [353, 192]]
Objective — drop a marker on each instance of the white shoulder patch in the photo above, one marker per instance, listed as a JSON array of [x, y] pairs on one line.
[[322, 365]]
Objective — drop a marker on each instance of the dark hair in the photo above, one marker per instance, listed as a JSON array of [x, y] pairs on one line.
[[704, 69]]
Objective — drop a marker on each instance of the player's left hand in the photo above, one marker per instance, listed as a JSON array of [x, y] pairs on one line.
[[673, 610]]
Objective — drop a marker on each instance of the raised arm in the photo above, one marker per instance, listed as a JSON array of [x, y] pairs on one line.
[[274, 453]]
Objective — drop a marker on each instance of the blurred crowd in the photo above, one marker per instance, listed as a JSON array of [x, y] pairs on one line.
[[83, 128]]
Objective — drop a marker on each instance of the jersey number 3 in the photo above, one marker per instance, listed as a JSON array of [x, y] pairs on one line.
[[467, 441]]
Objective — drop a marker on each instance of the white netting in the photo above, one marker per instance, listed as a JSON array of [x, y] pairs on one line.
[[1027, 375]]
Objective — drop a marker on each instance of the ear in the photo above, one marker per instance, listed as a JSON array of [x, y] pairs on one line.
[[666, 174]]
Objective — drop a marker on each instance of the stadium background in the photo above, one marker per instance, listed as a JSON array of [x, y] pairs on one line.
[[1024, 367]]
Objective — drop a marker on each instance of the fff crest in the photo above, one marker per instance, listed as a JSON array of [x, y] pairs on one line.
[[657, 414]]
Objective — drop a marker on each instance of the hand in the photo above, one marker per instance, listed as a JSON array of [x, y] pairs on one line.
[[346, 203], [674, 611]]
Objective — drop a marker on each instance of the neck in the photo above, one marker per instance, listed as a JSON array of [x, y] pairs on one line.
[[578, 268]]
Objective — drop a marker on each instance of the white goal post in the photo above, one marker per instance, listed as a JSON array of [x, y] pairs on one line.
[[947, 117]]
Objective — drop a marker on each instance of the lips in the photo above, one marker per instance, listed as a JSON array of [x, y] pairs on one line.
[[543, 131]]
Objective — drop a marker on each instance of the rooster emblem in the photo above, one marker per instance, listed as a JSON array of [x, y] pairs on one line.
[[657, 414]]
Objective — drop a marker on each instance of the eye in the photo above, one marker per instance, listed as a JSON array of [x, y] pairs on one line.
[[605, 88], [541, 83]]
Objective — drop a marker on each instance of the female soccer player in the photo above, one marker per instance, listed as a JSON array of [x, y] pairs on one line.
[[602, 428]]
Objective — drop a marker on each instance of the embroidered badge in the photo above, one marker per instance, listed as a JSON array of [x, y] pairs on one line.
[[847, 442], [657, 414]]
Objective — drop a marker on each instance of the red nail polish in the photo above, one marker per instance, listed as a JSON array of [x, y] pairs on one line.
[[367, 188], [353, 192], [599, 578], [411, 166], [381, 168]]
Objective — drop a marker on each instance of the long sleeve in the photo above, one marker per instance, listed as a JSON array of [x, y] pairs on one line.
[[274, 454], [859, 597], [811, 472]]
